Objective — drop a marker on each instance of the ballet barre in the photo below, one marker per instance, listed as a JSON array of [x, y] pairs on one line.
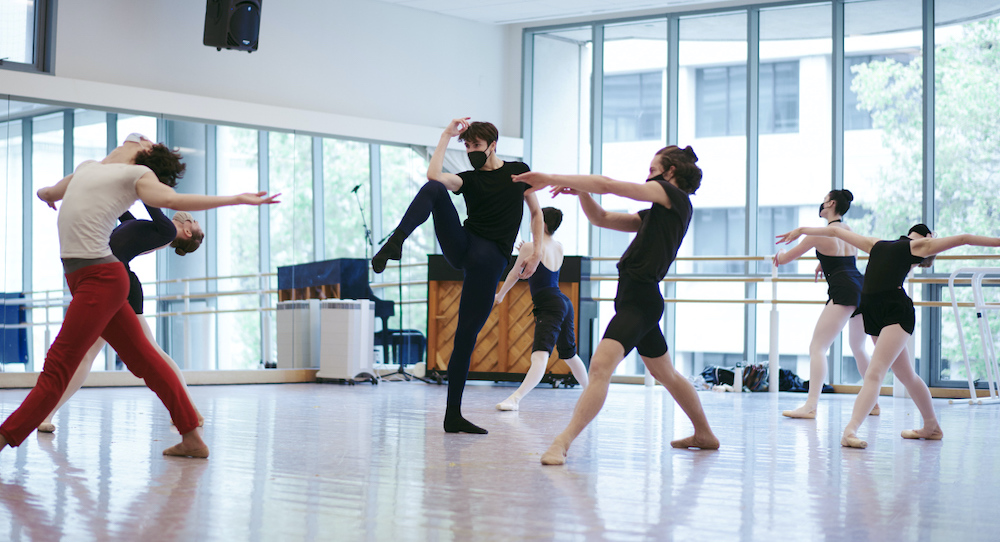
[[977, 276]]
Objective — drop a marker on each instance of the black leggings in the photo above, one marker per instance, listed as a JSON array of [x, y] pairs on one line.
[[482, 263]]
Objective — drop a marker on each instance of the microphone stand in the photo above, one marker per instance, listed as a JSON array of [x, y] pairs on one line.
[[364, 222]]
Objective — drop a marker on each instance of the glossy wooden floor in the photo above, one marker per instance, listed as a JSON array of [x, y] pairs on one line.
[[330, 462]]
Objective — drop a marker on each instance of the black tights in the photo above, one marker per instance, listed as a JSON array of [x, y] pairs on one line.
[[482, 263]]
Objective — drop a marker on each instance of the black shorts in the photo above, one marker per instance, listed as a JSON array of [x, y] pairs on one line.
[[134, 292], [884, 309], [636, 324], [844, 288], [553, 323]]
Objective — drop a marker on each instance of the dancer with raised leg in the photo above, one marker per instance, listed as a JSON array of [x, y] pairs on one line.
[[93, 197], [481, 248], [130, 239], [673, 177], [553, 311], [837, 264], [889, 316]]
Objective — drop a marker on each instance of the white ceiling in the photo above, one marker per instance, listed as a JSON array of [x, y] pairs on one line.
[[522, 11]]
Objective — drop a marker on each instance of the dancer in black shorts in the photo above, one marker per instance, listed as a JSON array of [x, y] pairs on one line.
[[889, 316], [553, 312], [673, 176], [130, 239], [837, 264], [480, 247]]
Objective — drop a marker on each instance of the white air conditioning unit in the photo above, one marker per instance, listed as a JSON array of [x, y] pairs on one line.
[[347, 339]]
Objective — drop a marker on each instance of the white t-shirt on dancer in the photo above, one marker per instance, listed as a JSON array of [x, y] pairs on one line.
[[95, 198]]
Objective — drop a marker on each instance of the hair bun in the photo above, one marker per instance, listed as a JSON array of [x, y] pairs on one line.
[[690, 153], [847, 194]]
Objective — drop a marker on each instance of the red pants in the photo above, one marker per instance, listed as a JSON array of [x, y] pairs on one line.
[[99, 308]]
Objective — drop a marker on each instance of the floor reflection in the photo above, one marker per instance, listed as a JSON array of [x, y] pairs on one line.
[[308, 462]]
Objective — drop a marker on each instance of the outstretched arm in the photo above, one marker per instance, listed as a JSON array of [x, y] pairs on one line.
[[526, 248], [930, 246], [51, 194], [859, 241], [782, 257], [598, 216], [152, 192], [435, 170], [598, 184], [537, 234]]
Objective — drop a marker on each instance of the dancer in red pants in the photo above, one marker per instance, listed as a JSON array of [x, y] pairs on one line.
[[94, 196]]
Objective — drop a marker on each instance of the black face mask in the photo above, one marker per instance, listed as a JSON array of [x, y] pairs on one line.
[[821, 207], [658, 177], [478, 159]]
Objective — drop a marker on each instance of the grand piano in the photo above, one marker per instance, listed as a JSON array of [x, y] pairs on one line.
[[343, 278]]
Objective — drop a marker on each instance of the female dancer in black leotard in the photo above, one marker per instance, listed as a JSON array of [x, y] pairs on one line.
[[836, 262], [130, 239], [889, 316], [673, 177], [480, 247], [553, 312]]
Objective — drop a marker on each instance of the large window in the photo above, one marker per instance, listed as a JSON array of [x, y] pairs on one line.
[[722, 94], [25, 28], [633, 107]]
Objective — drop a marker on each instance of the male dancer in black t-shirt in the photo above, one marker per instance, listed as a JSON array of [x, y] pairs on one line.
[[481, 247]]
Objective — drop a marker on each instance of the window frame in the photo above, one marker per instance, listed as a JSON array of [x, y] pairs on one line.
[[45, 41]]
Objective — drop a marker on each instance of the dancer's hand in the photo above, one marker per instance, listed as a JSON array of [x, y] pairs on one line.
[[530, 265], [257, 198], [788, 237], [45, 194], [556, 190], [819, 272], [457, 126], [497, 299], [776, 259], [536, 180]]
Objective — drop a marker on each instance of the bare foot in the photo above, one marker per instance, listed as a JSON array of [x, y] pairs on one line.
[[850, 440], [704, 442], [555, 455], [875, 411], [509, 403], [804, 412], [201, 419], [46, 427], [934, 433], [191, 445]]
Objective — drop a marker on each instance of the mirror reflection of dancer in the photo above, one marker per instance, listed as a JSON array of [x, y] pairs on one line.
[[130, 239], [889, 316], [673, 177], [481, 247], [93, 197], [837, 263], [553, 311]]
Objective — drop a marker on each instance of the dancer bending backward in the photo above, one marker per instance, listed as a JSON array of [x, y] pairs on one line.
[[889, 316], [553, 311], [673, 176], [481, 248], [94, 196], [837, 263], [129, 240]]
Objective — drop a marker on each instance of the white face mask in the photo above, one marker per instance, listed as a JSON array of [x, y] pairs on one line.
[[134, 137]]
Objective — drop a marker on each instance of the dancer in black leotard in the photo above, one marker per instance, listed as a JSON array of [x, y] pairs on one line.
[[673, 177], [837, 263], [130, 239], [889, 316], [553, 312], [481, 247]]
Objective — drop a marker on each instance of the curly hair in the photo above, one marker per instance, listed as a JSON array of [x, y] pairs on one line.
[[165, 163], [189, 245], [480, 131], [552, 218], [842, 199], [687, 174]]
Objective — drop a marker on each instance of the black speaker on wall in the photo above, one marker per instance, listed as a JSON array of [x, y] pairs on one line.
[[232, 24]]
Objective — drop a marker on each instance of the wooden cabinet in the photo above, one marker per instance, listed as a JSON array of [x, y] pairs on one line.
[[503, 348]]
